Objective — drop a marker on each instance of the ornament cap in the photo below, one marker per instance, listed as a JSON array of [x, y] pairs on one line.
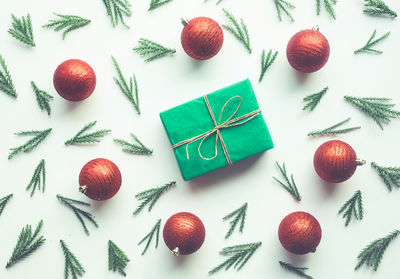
[[184, 21], [360, 162], [176, 252], [315, 28], [83, 189]]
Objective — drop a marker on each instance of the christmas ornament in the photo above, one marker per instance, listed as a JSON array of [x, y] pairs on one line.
[[202, 38], [336, 161], [184, 233], [74, 80], [308, 51], [299, 233], [100, 179]]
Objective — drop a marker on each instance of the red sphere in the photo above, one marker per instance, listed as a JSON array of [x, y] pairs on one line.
[[335, 161], [100, 179], [74, 80], [308, 51], [299, 233], [202, 38], [184, 233]]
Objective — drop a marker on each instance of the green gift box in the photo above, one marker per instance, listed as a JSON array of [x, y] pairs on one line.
[[216, 130]]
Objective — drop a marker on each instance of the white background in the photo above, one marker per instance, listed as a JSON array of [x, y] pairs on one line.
[[170, 81]]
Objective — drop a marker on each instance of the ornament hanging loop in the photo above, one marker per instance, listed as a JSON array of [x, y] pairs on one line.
[[360, 162], [315, 28]]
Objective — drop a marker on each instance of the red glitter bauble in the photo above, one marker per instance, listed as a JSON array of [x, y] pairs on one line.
[[308, 51], [202, 38], [299, 233], [74, 80], [184, 233], [100, 179]]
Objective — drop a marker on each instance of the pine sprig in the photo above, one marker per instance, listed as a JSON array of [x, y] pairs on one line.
[[314, 99], [27, 244], [371, 43], [239, 30], [4, 201], [240, 214], [284, 6], [289, 185], [219, 1], [300, 271], [6, 83], [377, 108], [353, 207], [38, 137], [72, 266], [390, 175], [38, 180], [155, 230], [117, 259], [136, 147], [378, 8], [266, 62], [117, 10], [81, 138], [239, 255], [21, 29], [333, 131], [372, 255], [328, 7], [151, 196], [43, 98], [66, 22], [152, 50], [79, 213], [126, 89], [157, 3]]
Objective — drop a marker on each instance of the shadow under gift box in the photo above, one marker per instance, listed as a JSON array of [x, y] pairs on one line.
[[194, 137]]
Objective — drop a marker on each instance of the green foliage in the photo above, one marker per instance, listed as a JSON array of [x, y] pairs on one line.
[[72, 265], [137, 147], [328, 7], [38, 137], [378, 8], [42, 98], [152, 50], [284, 6], [155, 230], [157, 3], [6, 83], [390, 175], [371, 43], [38, 180], [21, 29], [151, 196], [79, 213], [4, 201], [81, 138], [66, 22], [219, 1], [239, 30], [117, 10], [117, 260], [332, 130], [314, 99], [300, 271], [353, 207], [266, 62], [27, 244], [239, 255], [372, 255], [289, 185], [240, 216]]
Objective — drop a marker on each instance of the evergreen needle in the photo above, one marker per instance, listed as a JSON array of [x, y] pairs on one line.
[[151, 196], [289, 185], [6, 83], [239, 255], [372, 255], [66, 22], [79, 213], [314, 99], [27, 244], [332, 130], [117, 260], [136, 147], [378, 8], [42, 98], [300, 271], [81, 138], [72, 265], [157, 3], [152, 50], [155, 230], [390, 175], [38, 137], [38, 179], [219, 1], [284, 6], [353, 207], [328, 7], [21, 29], [4, 201], [240, 216], [239, 30], [117, 10], [372, 42], [266, 62]]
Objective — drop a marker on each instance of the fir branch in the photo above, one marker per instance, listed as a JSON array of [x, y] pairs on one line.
[[123, 85], [289, 185], [372, 255], [332, 130], [377, 108], [378, 8], [353, 207], [79, 213], [328, 7], [38, 137], [314, 99], [66, 22], [136, 147], [284, 6], [4, 201], [42, 98], [372, 42], [151, 196], [157, 3], [21, 29], [266, 62], [117, 260], [152, 50], [117, 10], [390, 175], [81, 138], [300, 271], [239, 30], [155, 230], [219, 1], [38, 179], [240, 216], [239, 255], [27, 244], [6, 83], [72, 265]]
